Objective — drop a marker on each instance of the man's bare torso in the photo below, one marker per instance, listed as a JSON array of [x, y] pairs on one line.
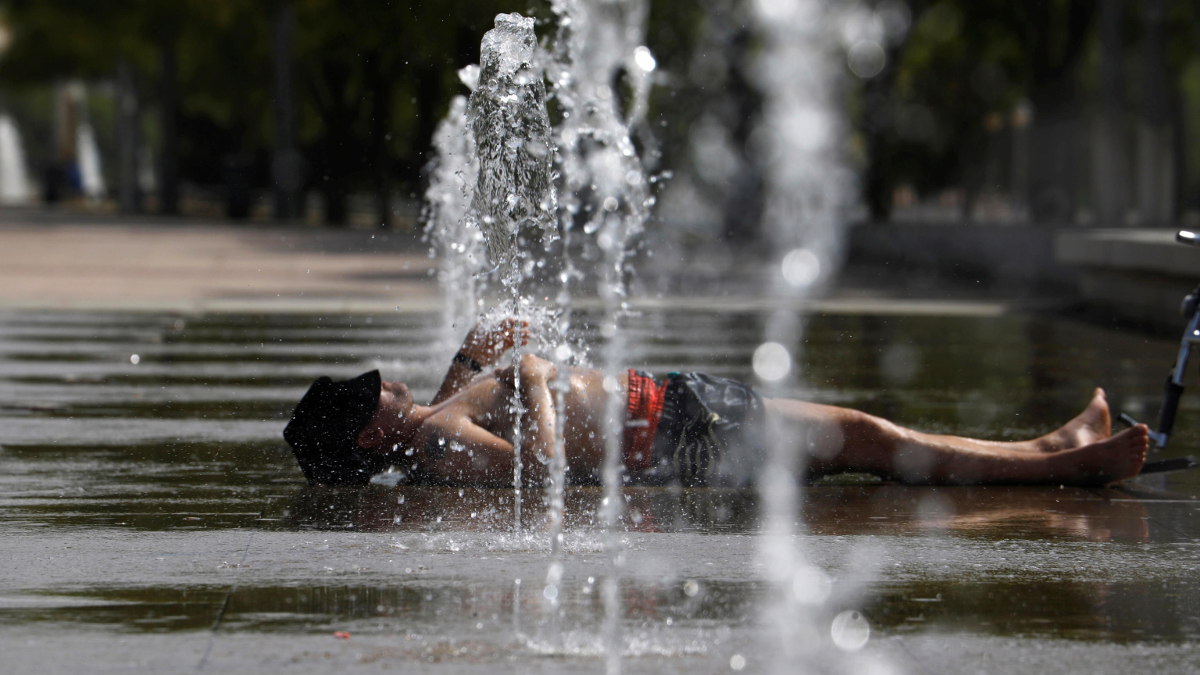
[[446, 438]]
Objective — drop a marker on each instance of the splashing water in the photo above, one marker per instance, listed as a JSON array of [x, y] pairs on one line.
[[496, 210], [514, 196], [91, 178], [606, 194], [454, 241], [514, 213], [14, 180], [606, 201], [808, 191]]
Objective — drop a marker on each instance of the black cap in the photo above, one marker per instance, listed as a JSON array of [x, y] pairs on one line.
[[324, 428]]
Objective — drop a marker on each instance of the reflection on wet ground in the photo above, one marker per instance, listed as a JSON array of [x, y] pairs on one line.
[[145, 493]]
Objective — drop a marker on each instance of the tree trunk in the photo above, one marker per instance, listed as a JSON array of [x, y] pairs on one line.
[[878, 113], [334, 194], [286, 167], [129, 196], [1155, 146], [1054, 139], [381, 119], [168, 179], [746, 198], [1109, 176]]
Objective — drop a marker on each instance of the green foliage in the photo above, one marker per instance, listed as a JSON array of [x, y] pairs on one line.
[[372, 78]]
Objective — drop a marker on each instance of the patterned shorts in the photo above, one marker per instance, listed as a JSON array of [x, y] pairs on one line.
[[710, 434]]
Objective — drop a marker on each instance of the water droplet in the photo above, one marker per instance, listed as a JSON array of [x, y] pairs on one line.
[[771, 361], [801, 267], [810, 586], [644, 59], [737, 662], [611, 385], [866, 58], [850, 631]]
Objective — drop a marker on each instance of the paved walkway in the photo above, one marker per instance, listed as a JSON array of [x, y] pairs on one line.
[[74, 261], [148, 528]]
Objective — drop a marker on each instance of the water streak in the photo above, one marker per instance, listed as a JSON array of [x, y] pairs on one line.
[[14, 178], [808, 190], [91, 178], [453, 241], [599, 72], [606, 201]]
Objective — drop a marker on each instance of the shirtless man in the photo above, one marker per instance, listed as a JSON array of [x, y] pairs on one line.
[[691, 429]]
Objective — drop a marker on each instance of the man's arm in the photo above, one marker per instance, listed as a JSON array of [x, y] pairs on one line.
[[481, 349], [539, 417], [460, 452], [533, 382]]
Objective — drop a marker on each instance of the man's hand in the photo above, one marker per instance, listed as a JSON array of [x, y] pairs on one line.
[[485, 345], [533, 370], [537, 369]]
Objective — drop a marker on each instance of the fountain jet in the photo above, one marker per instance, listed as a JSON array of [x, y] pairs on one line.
[[514, 196]]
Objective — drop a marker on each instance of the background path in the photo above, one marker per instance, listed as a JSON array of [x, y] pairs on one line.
[[71, 261]]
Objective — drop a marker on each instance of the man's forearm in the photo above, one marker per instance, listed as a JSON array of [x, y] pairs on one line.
[[482, 347], [539, 435], [463, 369], [539, 418]]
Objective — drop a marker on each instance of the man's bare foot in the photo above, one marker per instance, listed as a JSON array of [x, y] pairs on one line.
[[1090, 426], [1106, 461]]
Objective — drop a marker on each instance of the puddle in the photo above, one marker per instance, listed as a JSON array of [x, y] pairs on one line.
[[155, 496]]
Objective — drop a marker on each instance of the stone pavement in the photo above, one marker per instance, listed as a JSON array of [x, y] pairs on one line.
[[76, 260], [61, 260], [148, 527]]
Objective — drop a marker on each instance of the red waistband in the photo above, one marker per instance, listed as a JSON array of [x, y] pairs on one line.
[[643, 409]]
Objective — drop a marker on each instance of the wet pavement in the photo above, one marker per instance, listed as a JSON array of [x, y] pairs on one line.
[[152, 519]]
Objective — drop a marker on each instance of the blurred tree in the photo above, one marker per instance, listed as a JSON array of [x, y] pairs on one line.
[[1055, 36], [55, 41], [959, 67], [705, 115], [930, 118], [195, 50], [375, 78], [287, 166], [370, 79], [1156, 158], [1110, 175], [877, 117]]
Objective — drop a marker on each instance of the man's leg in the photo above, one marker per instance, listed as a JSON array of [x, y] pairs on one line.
[[1080, 452]]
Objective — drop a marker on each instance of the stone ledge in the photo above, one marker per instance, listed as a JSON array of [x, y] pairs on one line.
[[1019, 257], [1140, 275], [1153, 251]]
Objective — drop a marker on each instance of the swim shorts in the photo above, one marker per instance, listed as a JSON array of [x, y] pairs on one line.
[[710, 432]]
